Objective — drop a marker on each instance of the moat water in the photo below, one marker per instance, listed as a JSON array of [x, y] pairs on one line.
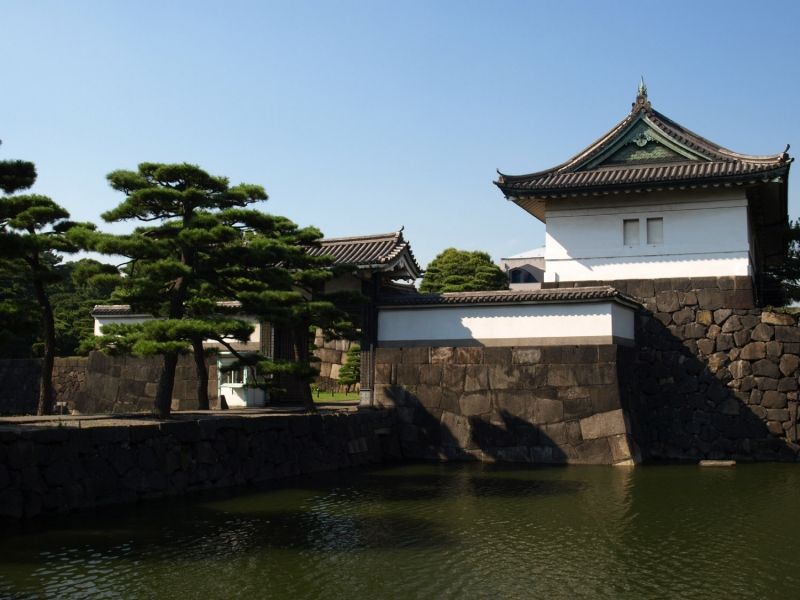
[[433, 531]]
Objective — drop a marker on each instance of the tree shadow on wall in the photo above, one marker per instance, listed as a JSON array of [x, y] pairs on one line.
[[701, 391], [432, 433]]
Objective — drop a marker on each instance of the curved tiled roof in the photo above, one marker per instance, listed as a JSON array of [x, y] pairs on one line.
[[382, 252], [709, 163], [111, 309], [545, 296]]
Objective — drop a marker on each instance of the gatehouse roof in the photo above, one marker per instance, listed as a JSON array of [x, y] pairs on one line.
[[384, 252]]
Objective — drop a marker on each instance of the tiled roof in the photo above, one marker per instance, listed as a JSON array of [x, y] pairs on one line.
[[111, 309], [546, 296], [125, 309], [382, 252], [702, 162]]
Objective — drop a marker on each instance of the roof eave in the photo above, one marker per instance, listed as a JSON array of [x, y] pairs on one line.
[[744, 179]]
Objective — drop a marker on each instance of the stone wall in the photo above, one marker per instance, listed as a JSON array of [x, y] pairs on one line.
[[717, 378], [20, 383], [125, 384], [101, 384], [332, 355], [555, 404], [69, 379], [50, 469]]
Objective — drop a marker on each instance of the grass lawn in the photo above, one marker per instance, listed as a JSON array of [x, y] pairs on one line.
[[335, 397]]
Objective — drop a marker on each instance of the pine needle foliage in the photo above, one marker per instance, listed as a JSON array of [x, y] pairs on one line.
[[34, 230], [462, 271]]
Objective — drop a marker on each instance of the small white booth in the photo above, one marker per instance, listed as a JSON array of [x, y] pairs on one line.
[[235, 385]]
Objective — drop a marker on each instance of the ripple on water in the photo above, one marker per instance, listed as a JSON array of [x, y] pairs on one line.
[[435, 531]]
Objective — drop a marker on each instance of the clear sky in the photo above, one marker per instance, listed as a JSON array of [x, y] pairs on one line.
[[363, 116]]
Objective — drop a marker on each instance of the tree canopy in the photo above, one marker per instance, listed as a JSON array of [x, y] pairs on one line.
[[782, 281], [33, 230], [462, 271], [202, 244], [350, 373]]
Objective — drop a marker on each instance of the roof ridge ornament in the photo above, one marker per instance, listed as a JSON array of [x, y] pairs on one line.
[[641, 102]]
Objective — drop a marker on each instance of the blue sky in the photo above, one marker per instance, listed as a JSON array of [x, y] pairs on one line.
[[360, 117]]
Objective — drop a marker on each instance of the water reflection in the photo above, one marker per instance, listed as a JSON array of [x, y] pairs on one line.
[[434, 531]]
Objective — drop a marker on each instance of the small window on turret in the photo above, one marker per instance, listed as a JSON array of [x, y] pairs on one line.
[[630, 232], [655, 231]]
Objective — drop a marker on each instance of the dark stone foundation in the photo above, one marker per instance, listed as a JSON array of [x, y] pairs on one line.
[[554, 404]]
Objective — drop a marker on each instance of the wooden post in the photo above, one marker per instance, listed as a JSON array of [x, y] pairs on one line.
[[369, 337]]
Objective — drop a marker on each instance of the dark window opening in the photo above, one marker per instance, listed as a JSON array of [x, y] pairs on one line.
[[521, 276]]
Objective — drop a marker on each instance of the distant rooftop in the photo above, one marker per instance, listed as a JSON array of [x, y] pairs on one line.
[[535, 253], [385, 252]]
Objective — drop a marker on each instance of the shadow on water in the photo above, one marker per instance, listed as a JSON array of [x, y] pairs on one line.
[[210, 532], [429, 486]]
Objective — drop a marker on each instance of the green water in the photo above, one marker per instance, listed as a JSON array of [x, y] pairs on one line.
[[434, 531]]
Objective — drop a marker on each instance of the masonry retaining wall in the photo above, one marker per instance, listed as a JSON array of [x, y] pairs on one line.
[[332, 355], [49, 469], [716, 377], [20, 383], [553, 404], [101, 384]]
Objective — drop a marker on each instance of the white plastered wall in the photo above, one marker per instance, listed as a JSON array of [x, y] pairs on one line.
[[704, 234], [101, 320], [507, 325]]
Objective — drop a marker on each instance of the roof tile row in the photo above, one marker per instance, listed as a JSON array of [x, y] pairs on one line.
[[544, 296]]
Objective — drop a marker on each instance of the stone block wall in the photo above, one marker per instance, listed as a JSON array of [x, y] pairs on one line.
[[50, 469], [332, 356], [100, 384], [718, 384], [717, 377], [556, 404], [69, 378], [125, 384], [20, 383], [670, 295], [20, 386]]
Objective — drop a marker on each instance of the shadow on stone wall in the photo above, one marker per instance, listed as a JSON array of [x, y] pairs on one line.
[[714, 376], [715, 387], [429, 434]]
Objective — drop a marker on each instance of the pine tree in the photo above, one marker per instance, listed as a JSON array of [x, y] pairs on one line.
[[183, 203], [350, 373], [462, 271], [204, 247], [33, 229], [781, 283]]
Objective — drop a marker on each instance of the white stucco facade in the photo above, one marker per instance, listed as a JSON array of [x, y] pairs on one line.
[[253, 342], [133, 319], [507, 325], [704, 233]]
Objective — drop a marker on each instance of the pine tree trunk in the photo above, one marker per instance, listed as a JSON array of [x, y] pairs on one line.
[[301, 343], [166, 381], [45, 403], [202, 374]]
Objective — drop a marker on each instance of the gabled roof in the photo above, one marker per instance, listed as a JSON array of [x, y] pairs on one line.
[[644, 151], [602, 293], [384, 252]]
